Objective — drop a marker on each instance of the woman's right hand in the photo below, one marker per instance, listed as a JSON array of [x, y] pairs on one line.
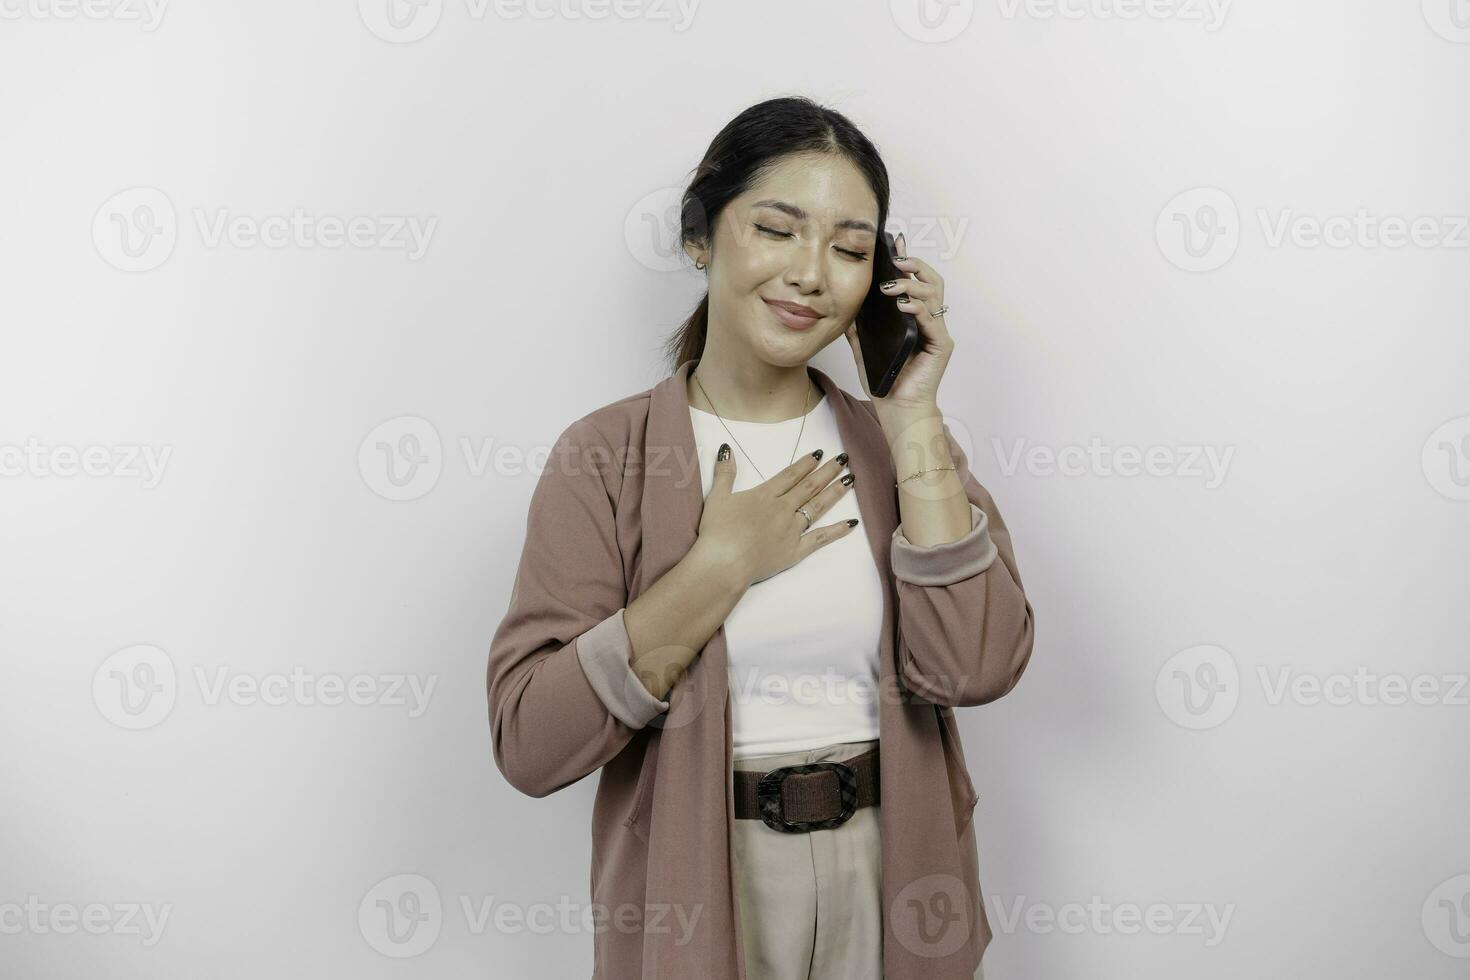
[[759, 531]]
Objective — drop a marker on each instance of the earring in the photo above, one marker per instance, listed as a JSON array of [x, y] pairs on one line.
[[700, 265]]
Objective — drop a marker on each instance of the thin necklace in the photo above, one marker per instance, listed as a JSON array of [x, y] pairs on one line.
[[806, 398]]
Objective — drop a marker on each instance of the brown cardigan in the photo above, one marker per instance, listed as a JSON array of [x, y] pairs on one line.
[[617, 506]]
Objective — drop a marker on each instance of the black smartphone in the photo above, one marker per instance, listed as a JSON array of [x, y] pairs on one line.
[[887, 335]]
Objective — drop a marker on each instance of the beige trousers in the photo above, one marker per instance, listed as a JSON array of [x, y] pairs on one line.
[[811, 904]]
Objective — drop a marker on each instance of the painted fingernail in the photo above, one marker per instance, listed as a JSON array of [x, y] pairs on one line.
[[852, 522], [816, 454], [905, 299], [847, 480], [841, 459], [888, 285], [724, 452]]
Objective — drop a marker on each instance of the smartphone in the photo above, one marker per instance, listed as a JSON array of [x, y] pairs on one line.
[[887, 335]]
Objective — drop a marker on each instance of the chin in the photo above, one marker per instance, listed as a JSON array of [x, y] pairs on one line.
[[785, 351]]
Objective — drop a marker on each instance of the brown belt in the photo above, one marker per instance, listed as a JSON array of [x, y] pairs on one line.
[[812, 796]]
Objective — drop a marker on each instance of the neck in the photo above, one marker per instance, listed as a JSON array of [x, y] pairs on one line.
[[749, 389]]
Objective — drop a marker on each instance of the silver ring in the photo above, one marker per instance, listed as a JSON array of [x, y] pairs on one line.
[[803, 513], [941, 311]]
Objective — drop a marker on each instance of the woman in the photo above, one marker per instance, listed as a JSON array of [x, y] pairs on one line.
[[769, 695]]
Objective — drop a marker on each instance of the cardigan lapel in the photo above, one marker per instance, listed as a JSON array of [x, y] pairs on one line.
[[692, 808]]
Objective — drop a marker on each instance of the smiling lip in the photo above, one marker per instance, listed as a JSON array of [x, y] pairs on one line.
[[793, 315]]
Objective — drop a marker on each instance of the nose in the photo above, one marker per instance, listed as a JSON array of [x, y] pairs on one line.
[[807, 271]]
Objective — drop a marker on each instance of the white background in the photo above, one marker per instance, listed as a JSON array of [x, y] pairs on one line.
[[1047, 160]]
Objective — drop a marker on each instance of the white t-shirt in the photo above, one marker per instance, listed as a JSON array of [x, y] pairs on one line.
[[803, 644]]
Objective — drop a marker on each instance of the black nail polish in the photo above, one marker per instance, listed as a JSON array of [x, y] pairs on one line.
[[846, 481], [724, 452], [841, 459], [852, 522], [816, 454]]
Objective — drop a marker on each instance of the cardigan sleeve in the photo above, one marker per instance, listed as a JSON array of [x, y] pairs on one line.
[[965, 625], [563, 697]]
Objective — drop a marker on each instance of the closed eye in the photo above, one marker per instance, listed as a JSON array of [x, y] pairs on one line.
[[860, 256]]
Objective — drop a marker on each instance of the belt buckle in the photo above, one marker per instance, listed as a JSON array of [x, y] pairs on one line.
[[768, 797]]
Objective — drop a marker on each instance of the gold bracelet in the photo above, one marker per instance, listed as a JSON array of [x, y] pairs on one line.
[[934, 469]]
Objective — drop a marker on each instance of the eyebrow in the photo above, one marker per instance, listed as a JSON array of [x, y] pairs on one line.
[[857, 224]]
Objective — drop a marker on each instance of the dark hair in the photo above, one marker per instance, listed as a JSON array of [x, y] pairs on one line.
[[750, 146]]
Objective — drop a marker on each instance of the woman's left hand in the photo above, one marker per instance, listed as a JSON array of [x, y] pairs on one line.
[[915, 392]]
